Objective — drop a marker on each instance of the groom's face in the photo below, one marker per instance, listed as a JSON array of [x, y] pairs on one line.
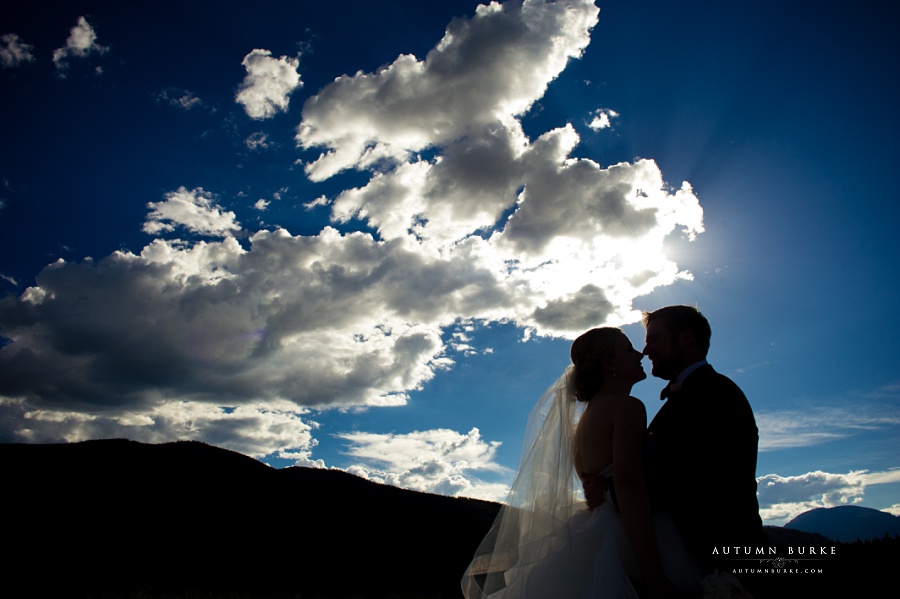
[[666, 355]]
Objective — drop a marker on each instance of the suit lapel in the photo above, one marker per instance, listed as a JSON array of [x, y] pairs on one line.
[[672, 410]]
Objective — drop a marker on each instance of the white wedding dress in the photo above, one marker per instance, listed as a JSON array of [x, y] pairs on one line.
[[546, 544]]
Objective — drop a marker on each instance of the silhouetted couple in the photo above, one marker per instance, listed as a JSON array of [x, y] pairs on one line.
[[662, 501]]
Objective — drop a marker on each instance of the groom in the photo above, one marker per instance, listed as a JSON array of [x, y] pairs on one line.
[[701, 445]]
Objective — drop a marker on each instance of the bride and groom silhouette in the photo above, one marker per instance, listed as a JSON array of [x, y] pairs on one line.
[[660, 501]]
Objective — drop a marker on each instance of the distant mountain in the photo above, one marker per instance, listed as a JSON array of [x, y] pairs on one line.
[[102, 516], [847, 523], [778, 536]]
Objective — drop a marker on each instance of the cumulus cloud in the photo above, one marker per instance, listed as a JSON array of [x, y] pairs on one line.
[[195, 210], [14, 52], [268, 85], [782, 498], [485, 70], [437, 461], [495, 226], [82, 42], [326, 320]]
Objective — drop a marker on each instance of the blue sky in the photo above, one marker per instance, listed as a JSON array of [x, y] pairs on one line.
[[364, 238]]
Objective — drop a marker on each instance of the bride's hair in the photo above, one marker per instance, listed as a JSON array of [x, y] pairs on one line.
[[587, 355]]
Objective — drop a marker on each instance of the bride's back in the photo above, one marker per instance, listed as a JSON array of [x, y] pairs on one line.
[[594, 435]]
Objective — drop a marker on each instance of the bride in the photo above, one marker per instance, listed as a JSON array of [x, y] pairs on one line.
[[545, 543]]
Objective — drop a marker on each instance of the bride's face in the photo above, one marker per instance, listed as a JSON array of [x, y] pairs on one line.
[[627, 361]]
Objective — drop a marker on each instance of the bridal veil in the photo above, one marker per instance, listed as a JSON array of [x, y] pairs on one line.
[[532, 526]]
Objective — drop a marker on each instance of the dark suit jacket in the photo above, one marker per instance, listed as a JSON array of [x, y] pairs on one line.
[[701, 464]]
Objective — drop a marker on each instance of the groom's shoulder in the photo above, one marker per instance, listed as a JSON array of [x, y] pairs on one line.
[[713, 384], [708, 375]]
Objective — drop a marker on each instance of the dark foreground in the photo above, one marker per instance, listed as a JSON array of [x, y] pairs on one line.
[[124, 520]]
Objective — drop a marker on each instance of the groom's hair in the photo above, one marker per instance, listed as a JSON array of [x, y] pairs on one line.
[[683, 318]]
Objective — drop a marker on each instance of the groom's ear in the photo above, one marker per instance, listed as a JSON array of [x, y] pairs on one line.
[[687, 338]]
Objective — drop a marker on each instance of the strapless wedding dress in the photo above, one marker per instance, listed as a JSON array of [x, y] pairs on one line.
[[596, 561]]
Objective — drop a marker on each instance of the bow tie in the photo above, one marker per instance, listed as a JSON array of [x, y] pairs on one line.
[[671, 388]]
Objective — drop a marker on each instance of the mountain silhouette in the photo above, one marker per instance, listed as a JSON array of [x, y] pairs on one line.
[[102, 516], [847, 523]]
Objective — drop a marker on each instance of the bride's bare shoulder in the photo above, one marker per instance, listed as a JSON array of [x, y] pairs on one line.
[[615, 407], [627, 406], [617, 400]]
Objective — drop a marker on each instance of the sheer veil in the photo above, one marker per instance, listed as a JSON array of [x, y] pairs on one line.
[[544, 495]]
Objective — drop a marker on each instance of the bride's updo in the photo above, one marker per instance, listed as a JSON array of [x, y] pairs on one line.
[[587, 355]]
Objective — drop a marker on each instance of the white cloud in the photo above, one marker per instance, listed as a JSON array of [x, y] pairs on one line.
[[258, 141], [318, 321], [894, 509], [796, 428], [883, 478], [82, 42], [485, 71], [319, 201], [602, 119], [782, 498], [269, 82], [179, 98], [195, 210], [14, 52], [261, 204], [437, 461], [255, 430]]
